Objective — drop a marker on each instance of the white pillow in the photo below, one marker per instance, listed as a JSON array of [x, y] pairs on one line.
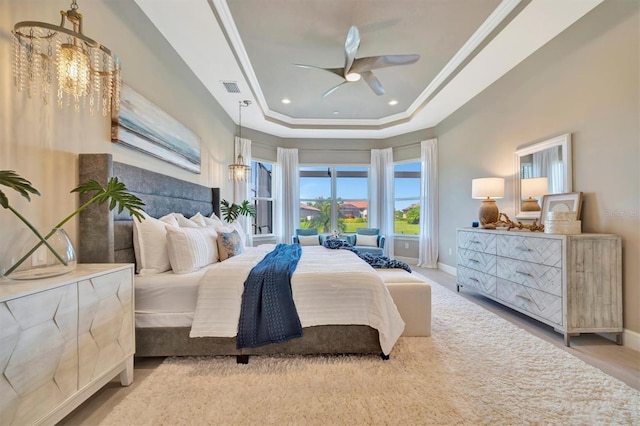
[[191, 248], [207, 221], [150, 244], [309, 240], [183, 222], [243, 235], [367, 240]]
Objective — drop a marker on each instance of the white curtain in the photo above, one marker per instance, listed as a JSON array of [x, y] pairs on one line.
[[548, 164], [428, 251], [241, 189], [381, 208], [287, 196]]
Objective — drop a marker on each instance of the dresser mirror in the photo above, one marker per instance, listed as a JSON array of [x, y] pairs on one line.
[[550, 158]]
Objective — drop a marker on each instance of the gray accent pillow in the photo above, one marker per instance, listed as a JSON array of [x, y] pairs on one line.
[[229, 245]]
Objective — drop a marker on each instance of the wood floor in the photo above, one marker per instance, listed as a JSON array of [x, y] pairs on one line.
[[618, 361]]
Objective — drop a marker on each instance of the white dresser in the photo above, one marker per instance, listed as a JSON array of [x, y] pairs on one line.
[[62, 339], [570, 282]]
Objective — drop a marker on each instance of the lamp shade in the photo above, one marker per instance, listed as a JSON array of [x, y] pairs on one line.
[[487, 188], [534, 187]]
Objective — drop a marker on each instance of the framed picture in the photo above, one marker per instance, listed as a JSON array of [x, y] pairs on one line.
[[141, 125], [568, 202]]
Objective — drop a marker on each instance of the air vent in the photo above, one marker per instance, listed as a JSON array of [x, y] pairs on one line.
[[231, 86]]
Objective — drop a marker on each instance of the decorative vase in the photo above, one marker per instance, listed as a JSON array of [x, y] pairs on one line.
[[28, 258]]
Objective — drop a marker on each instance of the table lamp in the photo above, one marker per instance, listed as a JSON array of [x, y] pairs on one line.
[[487, 189], [530, 189]]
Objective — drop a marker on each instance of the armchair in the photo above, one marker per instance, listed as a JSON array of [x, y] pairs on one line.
[[305, 233], [369, 240]]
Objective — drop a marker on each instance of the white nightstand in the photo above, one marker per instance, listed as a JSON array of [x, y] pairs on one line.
[[62, 339]]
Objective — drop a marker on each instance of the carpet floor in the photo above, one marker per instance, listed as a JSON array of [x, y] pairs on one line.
[[475, 369]]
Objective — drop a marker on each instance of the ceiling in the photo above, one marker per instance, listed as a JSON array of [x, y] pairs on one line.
[[464, 46]]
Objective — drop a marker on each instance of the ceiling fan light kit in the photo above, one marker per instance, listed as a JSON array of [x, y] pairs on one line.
[[356, 69]]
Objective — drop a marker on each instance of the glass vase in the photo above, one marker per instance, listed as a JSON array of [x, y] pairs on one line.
[[28, 258]]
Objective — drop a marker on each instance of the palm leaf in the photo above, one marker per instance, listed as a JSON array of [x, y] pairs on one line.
[[14, 181], [231, 211], [116, 194]]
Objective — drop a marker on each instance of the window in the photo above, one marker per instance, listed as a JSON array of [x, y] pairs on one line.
[[406, 180], [262, 197], [334, 198]]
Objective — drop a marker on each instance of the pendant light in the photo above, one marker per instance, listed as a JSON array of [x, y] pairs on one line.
[[239, 171]]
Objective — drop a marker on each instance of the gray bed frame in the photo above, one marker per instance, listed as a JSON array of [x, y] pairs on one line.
[[107, 237]]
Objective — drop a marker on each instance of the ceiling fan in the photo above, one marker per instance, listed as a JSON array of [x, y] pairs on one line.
[[354, 69]]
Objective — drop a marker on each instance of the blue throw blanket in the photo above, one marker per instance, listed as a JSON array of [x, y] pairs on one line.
[[376, 261], [268, 313]]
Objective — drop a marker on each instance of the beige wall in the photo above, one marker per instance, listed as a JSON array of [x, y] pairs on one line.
[[42, 142], [584, 82]]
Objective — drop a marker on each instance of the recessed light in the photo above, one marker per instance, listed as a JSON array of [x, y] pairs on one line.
[[393, 102], [286, 101], [336, 112]]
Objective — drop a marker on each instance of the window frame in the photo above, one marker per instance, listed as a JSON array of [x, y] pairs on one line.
[[334, 173], [254, 199], [396, 198]]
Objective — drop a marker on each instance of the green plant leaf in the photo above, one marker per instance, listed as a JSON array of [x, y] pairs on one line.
[[116, 194], [14, 181], [231, 211]]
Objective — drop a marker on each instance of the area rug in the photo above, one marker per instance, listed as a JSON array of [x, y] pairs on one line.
[[477, 368]]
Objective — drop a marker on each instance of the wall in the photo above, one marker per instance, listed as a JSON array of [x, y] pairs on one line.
[[584, 82], [42, 142]]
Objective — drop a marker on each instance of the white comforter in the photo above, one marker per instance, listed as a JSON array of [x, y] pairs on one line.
[[329, 287]]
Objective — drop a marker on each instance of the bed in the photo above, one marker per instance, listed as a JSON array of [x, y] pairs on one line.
[[164, 310]]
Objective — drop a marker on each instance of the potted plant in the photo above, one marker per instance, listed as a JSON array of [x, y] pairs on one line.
[[231, 211], [56, 241]]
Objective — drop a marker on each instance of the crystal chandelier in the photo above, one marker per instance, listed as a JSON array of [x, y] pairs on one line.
[[85, 70], [239, 171]]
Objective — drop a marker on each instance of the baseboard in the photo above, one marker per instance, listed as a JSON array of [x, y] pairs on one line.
[[408, 260], [447, 268], [631, 339]]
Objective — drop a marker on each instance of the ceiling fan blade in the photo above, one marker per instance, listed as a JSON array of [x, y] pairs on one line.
[[374, 62], [351, 45], [336, 71], [333, 89], [373, 82]]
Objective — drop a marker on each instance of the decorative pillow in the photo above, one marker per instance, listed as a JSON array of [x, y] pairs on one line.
[[229, 245], [366, 240], [308, 240], [150, 244], [183, 222], [233, 226], [191, 248]]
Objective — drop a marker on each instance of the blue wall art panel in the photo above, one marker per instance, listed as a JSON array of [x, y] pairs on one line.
[[141, 125]]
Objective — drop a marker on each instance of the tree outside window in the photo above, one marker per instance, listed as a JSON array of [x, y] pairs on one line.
[[407, 198], [334, 198]]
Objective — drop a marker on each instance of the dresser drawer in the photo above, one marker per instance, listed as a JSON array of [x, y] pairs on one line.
[[534, 275], [477, 280], [479, 261], [547, 251], [477, 241], [544, 305]]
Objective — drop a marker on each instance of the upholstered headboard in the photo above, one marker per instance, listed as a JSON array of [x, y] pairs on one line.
[[106, 236]]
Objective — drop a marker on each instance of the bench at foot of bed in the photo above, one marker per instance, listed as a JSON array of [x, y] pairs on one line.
[[412, 296]]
